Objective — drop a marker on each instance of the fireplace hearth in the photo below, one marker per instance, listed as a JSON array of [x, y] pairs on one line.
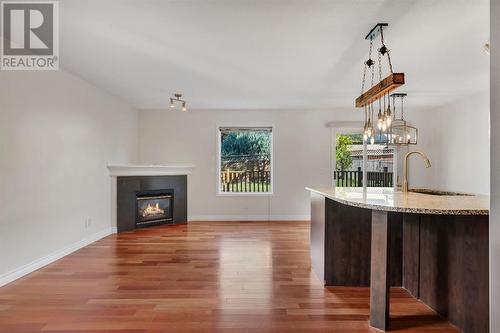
[[154, 207]]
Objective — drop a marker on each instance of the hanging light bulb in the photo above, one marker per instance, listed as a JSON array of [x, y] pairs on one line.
[[387, 122], [369, 127], [380, 119], [388, 118], [365, 126]]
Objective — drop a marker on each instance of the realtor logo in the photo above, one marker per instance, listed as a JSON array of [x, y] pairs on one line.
[[30, 36]]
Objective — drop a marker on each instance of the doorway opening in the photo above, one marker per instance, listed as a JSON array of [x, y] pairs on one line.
[[357, 162]]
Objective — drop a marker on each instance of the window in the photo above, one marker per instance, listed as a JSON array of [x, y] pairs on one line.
[[245, 160]]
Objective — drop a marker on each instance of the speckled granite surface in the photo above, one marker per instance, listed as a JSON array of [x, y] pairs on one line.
[[387, 199]]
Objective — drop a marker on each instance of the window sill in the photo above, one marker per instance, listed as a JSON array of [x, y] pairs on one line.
[[245, 194]]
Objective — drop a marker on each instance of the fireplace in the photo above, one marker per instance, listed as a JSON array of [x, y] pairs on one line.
[[154, 207], [134, 193]]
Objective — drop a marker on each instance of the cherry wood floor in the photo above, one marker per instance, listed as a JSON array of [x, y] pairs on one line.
[[202, 277]]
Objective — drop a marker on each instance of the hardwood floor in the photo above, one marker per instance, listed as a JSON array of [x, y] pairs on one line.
[[202, 277]]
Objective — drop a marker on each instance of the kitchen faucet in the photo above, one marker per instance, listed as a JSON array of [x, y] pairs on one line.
[[405, 167]]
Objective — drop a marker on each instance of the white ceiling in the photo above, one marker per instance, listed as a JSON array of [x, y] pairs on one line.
[[247, 54]]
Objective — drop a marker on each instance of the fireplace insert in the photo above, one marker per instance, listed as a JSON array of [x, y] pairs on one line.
[[154, 207]]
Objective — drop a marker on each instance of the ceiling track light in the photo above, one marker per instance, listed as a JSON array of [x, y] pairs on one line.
[[177, 99]]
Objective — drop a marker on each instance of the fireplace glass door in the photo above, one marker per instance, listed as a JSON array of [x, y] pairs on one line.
[[154, 208]]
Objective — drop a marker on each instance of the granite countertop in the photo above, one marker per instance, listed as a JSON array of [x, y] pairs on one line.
[[388, 199]]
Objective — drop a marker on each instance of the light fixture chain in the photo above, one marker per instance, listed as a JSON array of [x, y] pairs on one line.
[[364, 78], [379, 67], [369, 65], [402, 109], [388, 52], [390, 63], [373, 74], [370, 56]]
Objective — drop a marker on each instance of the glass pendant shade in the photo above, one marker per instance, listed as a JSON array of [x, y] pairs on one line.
[[402, 133]]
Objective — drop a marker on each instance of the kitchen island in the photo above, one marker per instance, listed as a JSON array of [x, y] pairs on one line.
[[434, 244]]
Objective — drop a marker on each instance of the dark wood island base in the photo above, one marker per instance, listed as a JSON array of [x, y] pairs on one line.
[[441, 259]]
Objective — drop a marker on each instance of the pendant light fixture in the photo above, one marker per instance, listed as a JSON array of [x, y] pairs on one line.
[[401, 134], [177, 99], [385, 128]]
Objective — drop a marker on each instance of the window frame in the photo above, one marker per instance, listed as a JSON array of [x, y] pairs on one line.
[[218, 162]]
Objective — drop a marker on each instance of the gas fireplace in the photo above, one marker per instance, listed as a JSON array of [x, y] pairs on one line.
[[144, 201], [154, 207]]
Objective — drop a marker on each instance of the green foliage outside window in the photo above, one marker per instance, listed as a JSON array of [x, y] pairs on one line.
[[246, 150], [342, 155]]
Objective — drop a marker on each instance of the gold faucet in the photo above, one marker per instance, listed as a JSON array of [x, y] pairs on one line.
[[405, 167]]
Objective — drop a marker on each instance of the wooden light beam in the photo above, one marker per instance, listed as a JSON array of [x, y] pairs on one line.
[[385, 86]]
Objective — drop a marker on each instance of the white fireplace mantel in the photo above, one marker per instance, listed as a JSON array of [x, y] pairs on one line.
[[150, 170]]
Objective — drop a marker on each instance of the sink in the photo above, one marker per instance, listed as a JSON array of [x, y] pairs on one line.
[[437, 192]]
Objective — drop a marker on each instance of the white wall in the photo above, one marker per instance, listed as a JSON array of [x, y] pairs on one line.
[[57, 134], [301, 157], [495, 169], [456, 139]]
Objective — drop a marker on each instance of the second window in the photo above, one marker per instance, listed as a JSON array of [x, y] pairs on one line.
[[245, 160]]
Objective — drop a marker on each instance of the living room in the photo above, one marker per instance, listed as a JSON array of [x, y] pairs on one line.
[[174, 166]]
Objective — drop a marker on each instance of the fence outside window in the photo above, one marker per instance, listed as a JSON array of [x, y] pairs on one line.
[[352, 178]]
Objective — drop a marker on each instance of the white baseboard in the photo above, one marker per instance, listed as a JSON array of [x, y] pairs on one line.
[[56, 255], [249, 218]]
